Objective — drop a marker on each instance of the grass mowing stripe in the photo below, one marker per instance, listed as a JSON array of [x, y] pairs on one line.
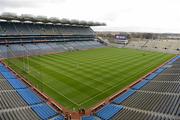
[[90, 67], [64, 69], [91, 60], [69, 70], [55, 67], [89, 73], [105, 78], [56, 71], [92, 63], [92, 100], [128, 69]]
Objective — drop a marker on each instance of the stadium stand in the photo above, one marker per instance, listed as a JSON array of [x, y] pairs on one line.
[[21, 39], [24, 36], [19, 102], [88, 118], [161, 45], [108, 111], [156, 97], [123, 97]]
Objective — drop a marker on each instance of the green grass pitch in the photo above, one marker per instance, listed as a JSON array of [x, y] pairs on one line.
[[81, 79]]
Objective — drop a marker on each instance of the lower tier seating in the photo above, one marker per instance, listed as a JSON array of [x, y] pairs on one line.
[[88, 118], [44, 111], [108, 111], [166, 87], [11, 99], [16, 50], [156, 102], [156, 97], [170, 78], [19, 114], [19, 102], [129, 114], [29, 96], [4, 85]]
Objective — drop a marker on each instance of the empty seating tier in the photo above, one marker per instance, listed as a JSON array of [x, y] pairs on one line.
[[88, 118], [151, 76], [19, 102], [19, 114], [123, 96], [156, 97], [4, 85], [172, 71], [167, 78], [161, 103], [44, 111], [129, 114], [167, 87], [27, 49], [108, 111], [21, 39], [29, 96], [140, 85], [11, 99], [17, 84]]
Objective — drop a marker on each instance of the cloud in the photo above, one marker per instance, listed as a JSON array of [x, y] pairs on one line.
[[4, 4], [14, 4], [145, 15]]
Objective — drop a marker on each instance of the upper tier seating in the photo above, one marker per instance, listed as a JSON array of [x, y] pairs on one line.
[[22, 39], [10, 28]]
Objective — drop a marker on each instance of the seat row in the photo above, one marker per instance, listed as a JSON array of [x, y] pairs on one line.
[[19, 102], [15, 50], [154, 97]]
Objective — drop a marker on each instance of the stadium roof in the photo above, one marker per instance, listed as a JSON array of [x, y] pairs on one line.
[[43, 19]]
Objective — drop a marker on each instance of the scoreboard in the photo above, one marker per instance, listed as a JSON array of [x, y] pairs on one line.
[[121, 39]]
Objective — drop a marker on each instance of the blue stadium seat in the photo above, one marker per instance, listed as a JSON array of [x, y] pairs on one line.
[[152, 76], [88, 118], [140, 85], [60, 117], [123, 96], [8, 75], [44, 111], [29, 96], [109, 111], [17, 84], [173, 60], [160, 70], [3, 69], [1, 65]]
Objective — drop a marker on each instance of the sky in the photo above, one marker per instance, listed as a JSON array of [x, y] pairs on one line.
[[119, 15]]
